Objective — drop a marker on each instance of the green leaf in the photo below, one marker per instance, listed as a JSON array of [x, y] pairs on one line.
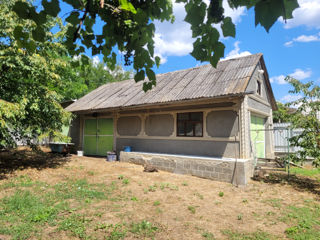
[[290, 6], [157, 59], [19, 34], [125, 5], [52, 8], [21, 9], [228, 28], [195, 13], [139, 76], [39, 18], [218, 53], [38, 34], [151, 75], [73, 18], [268, 12]]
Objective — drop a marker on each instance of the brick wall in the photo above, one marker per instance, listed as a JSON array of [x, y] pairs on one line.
[[234, 171]]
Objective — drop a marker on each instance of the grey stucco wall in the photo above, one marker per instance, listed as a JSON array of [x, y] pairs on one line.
[[187, 147], [159, 125], [252, 85], [234, 171], [129, 126], [252, 103], [74, 132], [222, 123]]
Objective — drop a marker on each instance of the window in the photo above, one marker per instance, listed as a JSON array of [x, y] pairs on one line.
[[258, 87], [189, 124]]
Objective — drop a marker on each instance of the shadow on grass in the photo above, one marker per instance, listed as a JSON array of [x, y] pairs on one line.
[[18, 159], [299, 183]]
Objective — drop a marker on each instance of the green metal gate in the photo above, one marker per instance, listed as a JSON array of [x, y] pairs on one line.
[[258, 136], [98, 136]]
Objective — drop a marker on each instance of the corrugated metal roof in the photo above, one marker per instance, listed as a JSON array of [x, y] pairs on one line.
[[230, 77]]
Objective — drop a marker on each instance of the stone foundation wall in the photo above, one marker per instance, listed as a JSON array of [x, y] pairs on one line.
[[234, 171]]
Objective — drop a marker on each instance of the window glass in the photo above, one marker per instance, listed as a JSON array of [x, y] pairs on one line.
[[196, 116], [198, 130], [183, 116], [189, 129], [180, 128], [190, 124]]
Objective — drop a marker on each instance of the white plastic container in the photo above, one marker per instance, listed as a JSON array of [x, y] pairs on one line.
[[80, 153]]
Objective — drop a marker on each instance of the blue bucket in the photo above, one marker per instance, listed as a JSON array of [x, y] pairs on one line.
[[127, 149]]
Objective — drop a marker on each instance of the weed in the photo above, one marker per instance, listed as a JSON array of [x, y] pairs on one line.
[[258, 235], [208, 235], [164, 186], [239, 217], [184, 183], [275, 202], [245, 201], [152, 188], [78, 189], [143, 228], [120, 177], [159, 210], [75, 224], [134, 199], [156, 203], [192, 209], [125, 181], [198, 195], [117, 232], [221, 194], [90, 173]]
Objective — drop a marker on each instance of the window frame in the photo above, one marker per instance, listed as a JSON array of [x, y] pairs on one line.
[[193, 122]]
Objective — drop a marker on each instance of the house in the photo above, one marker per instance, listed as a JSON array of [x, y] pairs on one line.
[[204, 121]]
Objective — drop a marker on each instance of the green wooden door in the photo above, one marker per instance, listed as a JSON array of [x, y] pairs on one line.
[[104, 136], [258, 136], [98, 136]]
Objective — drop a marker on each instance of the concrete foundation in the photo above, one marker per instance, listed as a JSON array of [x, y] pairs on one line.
[[235, 171]]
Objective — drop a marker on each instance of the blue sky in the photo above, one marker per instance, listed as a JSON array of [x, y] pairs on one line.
[[290, 48]]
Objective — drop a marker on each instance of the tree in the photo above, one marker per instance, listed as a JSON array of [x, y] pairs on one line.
[[28, 106], [80, 77], [306, 119], [282, 114], [127, 25]]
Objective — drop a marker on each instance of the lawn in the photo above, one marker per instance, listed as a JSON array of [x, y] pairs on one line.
[[46, 196]]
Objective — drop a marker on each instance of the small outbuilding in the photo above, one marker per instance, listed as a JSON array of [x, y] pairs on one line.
[[204, 121]]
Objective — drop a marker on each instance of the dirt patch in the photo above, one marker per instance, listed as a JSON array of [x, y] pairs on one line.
[[183, 207]]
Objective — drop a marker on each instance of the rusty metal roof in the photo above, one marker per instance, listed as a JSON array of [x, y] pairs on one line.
[[230, 77]]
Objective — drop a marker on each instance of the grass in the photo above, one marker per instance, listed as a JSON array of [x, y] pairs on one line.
[[92, 203], [258, 235], [306, 222], [307, 172]]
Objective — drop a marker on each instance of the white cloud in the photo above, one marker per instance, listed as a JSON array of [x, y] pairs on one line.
[[288, 44], [236, 52], [307, 15], [304, 38], [290, 98], [278, 79], [176, 39], [298, 74]]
